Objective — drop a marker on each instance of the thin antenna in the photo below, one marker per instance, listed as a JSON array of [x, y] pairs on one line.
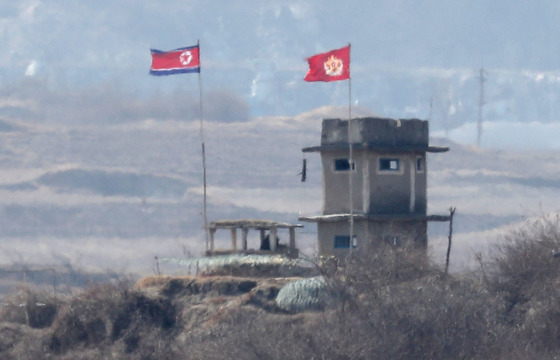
[[481, 79]]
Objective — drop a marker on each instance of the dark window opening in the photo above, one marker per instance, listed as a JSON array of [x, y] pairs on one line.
[[343, 165], [389, 164], [343, 242], [419, 164], [393, 240]]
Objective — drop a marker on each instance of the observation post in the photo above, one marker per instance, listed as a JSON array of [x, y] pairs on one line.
[[374, 184]]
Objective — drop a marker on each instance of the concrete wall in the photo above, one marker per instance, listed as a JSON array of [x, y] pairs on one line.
[[371, 234], [328, 231], [336, 199], [376, 131], [375, 191], [397, 192]]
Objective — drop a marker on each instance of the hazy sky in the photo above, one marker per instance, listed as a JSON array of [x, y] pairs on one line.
[[257, 50], [73, 35]]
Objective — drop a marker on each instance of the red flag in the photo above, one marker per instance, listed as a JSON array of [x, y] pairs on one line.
[[182, 60], [330, 66]]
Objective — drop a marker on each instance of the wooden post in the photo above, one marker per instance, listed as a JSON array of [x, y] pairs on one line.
[[157, 266], [212, 232], [451, 213], [272, 237], [263, 235], [244, 232], [292, 241], [234, 238]]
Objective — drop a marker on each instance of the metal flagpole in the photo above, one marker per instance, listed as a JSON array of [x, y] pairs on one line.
[[204, 216], [350, 157]]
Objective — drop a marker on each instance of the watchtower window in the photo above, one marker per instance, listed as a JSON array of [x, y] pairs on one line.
[[393, 240], [343, 242], [386, 164], [419, 164], [343, 165]]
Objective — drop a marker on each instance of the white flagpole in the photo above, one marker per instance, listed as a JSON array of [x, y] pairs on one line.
[[204, 216], [351, 156]]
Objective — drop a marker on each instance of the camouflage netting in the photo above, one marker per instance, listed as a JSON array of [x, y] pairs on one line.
[[304, 295], [310, 293]]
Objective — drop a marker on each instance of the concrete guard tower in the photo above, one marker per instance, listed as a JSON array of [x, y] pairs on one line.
[[388, 185]]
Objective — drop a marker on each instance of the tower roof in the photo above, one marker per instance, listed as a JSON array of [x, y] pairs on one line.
[[378, 134]]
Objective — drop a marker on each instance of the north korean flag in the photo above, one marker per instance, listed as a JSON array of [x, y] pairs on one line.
[[178, 61]]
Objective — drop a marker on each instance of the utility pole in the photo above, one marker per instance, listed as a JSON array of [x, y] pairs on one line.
[[481, 80]]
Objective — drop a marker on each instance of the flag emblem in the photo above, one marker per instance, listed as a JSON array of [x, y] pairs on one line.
[[333, 66], [185, 58]]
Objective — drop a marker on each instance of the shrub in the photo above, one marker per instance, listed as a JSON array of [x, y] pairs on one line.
[[525, 271], [30, 307], [395, 305], [108, 314], [526, 264]]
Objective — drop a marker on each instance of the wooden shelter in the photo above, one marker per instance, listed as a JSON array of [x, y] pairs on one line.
[[267, 243]]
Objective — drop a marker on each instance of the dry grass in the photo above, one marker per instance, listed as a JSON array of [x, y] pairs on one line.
[[158, 281], [390, 305]]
